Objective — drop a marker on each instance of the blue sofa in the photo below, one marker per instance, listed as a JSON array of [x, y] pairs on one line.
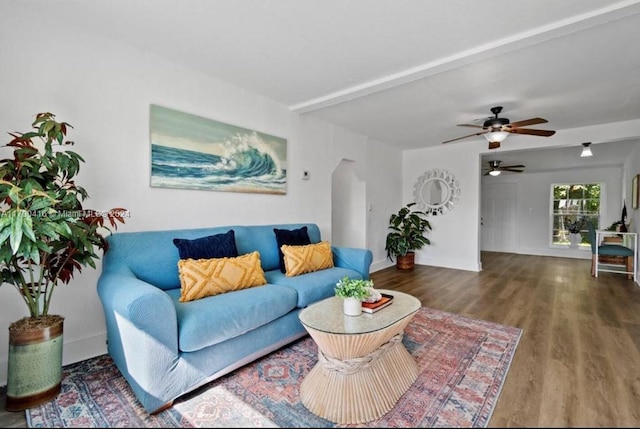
[[165, 348]]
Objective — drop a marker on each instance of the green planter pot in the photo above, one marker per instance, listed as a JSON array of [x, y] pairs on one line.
[[35, 365]]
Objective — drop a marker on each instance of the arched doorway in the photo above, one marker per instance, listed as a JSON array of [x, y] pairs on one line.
[[348, 207]]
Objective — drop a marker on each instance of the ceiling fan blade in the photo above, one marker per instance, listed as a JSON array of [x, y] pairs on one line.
[[513, 166], [511, 169], [470, 125], [527, 122], [541, 133], [460, 138]]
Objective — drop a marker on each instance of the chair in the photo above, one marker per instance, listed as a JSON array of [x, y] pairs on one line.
[[609, 250]]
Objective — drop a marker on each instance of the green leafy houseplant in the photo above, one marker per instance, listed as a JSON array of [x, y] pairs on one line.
[[46, 235], [618, 226], [353, 288], [408, 230], [575, 226]]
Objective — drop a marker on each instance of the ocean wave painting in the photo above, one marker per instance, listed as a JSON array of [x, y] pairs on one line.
[[192, 152]]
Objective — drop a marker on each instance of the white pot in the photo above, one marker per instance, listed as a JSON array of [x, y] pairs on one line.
[[574, 240], [352, 307]]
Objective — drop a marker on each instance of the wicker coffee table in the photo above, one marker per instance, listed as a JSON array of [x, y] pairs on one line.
[[363, 368]]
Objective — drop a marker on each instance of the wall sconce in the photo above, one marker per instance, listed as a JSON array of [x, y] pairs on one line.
[[586, 150]]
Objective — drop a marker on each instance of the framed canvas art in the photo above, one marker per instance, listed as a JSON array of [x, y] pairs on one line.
[[634, 191], [192, 152]]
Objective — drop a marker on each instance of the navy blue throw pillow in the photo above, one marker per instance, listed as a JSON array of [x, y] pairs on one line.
[[212, 246], [291, 237]]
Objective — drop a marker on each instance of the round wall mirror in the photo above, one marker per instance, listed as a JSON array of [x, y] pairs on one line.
[[436, 191]]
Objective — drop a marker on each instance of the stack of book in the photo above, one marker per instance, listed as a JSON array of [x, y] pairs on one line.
[[372, 307]]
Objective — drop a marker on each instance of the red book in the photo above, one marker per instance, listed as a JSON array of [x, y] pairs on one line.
[[372, 307]]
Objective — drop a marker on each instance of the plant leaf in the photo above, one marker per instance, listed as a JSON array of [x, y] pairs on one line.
[[16, 231]]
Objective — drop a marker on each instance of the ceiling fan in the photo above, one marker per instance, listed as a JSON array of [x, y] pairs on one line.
[[496, 167], [495, 129]]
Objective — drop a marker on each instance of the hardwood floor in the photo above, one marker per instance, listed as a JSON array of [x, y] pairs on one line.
[[578, 361], [9, 419]]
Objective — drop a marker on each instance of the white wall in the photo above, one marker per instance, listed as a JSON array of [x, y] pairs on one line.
[[104, 90], [533, 205], [631, 169], [349, 190], [348, 207], [456, 235], [384, 198]]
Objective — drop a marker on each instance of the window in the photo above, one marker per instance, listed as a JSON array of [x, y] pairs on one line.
[[574, 205]]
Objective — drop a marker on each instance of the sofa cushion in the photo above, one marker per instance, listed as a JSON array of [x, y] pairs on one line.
[[291, 237], [200, 278], [307, 259], [312, 287], [214, 319], [211, 246]]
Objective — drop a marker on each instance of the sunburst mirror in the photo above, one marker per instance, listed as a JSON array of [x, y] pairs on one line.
[[436, 192]]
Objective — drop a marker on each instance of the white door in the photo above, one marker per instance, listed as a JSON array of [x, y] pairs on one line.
[[498, 217]]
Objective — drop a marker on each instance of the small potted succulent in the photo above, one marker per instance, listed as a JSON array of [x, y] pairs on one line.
[[353, 291]]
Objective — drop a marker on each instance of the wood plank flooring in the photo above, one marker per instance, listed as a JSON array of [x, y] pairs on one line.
[[578, 361]]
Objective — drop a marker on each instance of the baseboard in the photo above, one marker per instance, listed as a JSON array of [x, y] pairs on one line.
[[435, 262], [380, 265], [558, 253], [455, 264]]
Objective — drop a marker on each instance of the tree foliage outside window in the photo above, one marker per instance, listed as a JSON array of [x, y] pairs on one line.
[[574, 207]]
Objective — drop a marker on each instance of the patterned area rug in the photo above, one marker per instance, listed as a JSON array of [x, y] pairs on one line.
[[463, 364]]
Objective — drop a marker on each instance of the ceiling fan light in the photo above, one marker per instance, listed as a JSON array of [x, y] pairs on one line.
[[496, 136], [494, 172], [586, 150]]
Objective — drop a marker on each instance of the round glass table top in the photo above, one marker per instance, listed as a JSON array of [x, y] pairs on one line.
[[328, 315]]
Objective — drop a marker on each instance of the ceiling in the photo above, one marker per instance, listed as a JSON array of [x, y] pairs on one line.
[[546, 160], [404, 72]]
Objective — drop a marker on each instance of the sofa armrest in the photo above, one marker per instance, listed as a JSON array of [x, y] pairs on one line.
[[353, 258], [142, 335], [132, 305]]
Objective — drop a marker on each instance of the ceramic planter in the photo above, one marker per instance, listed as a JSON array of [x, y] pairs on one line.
[[574, 240], [35, 366], [405, 262], [352, 307]]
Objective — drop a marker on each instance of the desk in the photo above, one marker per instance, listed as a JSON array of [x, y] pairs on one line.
[[630, 240], [363, 368]]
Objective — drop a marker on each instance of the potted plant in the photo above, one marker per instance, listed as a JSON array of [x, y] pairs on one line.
[[574, 228], [46, 236], [408, 229], [353, 291]]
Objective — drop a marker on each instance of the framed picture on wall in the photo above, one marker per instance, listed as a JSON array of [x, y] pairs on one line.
[[634, 191], [193, 152]]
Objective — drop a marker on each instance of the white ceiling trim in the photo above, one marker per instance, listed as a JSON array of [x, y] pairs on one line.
[[528, 38]]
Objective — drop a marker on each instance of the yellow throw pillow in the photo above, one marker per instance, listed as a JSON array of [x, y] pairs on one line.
[[206, 277], [307, 258]]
